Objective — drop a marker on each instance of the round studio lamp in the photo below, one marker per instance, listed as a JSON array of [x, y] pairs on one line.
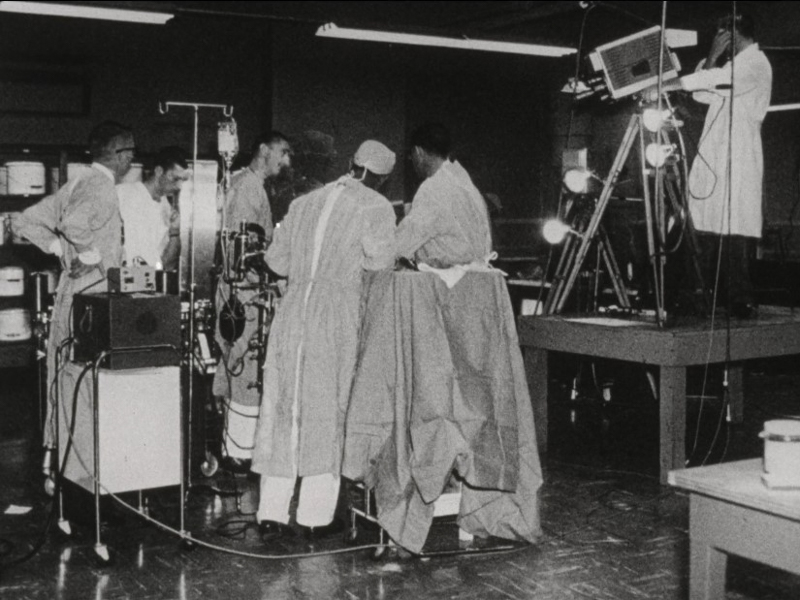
[[653, 120], [658, 154], [577, 180], [555, 232]]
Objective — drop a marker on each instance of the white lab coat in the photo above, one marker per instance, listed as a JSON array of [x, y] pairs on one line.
[[709, 179]]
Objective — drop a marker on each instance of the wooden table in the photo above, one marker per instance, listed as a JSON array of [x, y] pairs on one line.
[[733, 512], [776, 332]]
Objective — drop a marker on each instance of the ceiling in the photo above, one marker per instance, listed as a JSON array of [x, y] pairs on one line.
[[553, 22]]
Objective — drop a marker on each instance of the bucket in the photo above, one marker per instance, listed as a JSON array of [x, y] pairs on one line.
[[15, 325], [12, 282], [25, 178], [782, 453]]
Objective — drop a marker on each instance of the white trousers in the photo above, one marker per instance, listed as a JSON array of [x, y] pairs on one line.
[[240, 430], [316, 504]]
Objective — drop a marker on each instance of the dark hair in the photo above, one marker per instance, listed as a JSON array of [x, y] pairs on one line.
[[745, 25], [170, 156], [103, 137], [433, 138], [268, 139]]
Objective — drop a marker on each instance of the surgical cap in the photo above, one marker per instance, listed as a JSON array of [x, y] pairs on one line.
[[374, 157]]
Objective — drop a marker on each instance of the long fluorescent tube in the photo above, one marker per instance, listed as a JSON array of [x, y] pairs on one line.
[[86, 12], [332, 31]]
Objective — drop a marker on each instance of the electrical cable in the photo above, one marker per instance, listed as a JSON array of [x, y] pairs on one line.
[[37, 547]]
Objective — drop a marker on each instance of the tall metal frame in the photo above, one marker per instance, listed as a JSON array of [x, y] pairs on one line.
[[577, 248]]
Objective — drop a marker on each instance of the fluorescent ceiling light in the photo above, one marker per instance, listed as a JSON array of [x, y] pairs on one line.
[[332, 31], [86, 12]]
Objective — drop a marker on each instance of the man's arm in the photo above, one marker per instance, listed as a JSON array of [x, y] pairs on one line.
[[172, 252], [39, 225], [419, 226]]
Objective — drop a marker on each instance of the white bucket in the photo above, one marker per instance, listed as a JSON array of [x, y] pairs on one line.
[[3, 180], [134, 175], [15, 325], [12, 282], [782, 453], [25, 178]]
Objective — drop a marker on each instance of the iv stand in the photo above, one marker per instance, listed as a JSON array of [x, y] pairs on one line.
[[227, 111]]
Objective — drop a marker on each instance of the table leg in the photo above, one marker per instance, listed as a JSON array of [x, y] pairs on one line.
[[672, 403], [736, 392], [536, 373], [706, 571]]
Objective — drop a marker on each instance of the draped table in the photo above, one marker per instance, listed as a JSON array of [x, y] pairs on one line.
[[440, 388]]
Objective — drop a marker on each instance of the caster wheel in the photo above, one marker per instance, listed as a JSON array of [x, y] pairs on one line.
[[210, 466], [350, 536], [379, 554], [102, 556], [64, 528], [50, 485]]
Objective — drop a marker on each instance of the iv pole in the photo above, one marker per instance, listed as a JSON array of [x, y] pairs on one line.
[[186, 450]]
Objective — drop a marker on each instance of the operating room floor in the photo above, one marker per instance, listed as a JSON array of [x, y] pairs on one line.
[[611, 532]]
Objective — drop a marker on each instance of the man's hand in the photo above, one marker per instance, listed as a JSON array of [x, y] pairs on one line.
[[720, 45]]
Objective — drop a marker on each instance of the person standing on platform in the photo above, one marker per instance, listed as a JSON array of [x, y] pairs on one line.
[[326, 243], [80, 224], [448, 223], [236, 378], [152, 223], [726, 179]]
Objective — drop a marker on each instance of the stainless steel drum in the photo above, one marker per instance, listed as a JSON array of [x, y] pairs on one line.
[[15, 325], [12, 282]]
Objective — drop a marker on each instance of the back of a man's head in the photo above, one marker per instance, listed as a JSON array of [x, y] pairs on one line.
[[745, 25], [104, 138], [169, 157], [267, 139], [434, 138]]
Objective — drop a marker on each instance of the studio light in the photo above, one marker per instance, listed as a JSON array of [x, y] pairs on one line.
[[86, 12], [555, 231], [658, 154], [577, 180], [331, 30], [653, 120]]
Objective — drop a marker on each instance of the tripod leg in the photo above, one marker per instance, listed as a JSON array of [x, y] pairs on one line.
[[613, 269], [634, 128]]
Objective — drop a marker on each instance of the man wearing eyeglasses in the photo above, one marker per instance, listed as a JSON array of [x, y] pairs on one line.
[[152, 223], [81, 225], [236, 378]]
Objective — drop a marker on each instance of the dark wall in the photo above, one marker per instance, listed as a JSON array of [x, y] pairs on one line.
[[129, 68], [282, 75]]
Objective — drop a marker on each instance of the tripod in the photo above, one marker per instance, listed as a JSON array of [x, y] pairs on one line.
[[590, 232]]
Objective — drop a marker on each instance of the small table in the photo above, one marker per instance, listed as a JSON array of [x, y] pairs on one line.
[[776, 332], [733, 512]]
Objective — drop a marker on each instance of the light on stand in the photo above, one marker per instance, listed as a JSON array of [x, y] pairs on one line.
[[577, 180], [658, 154], [653, 120], [555, 231]]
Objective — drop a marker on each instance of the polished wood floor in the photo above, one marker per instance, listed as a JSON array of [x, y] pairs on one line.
[[611, 531]]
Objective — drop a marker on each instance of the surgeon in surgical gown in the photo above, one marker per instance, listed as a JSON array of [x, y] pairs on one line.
[[80, 224], [325, 244]]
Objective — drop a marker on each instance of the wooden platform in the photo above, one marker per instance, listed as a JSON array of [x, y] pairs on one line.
[[776, 332]]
